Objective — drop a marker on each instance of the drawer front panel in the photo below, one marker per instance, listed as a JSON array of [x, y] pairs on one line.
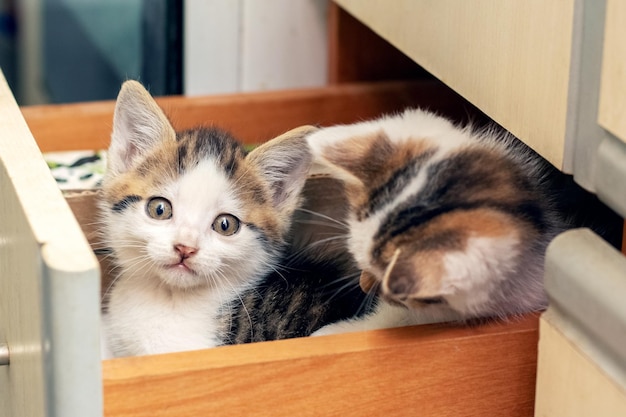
[[23, 391], [612, 113], [567, 375], [582, 362], [509, 58], [49, 286]]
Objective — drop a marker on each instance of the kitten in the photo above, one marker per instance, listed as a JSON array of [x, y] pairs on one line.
[[197, 225], [446, 223]]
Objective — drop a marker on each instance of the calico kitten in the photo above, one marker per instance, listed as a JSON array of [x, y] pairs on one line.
[[197, 225], [446, 223]]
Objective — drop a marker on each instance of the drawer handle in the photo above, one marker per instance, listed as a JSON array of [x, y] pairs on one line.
[[4, 354]]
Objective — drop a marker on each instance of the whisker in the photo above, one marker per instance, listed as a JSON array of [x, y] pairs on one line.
[[324, 216]]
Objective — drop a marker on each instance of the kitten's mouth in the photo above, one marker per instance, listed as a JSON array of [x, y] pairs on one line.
[[183, 267]]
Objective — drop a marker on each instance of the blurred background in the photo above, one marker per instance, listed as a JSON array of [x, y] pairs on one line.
[[60, 51]]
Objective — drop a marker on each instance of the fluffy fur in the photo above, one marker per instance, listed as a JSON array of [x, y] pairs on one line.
[[165, 197], [446, 223]]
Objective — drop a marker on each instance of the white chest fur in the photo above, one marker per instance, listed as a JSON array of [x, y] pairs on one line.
[[145, 317]]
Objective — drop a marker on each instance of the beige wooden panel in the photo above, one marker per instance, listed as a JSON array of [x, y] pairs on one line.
[[49, 299], [509, 58], [569, 383], [22, 389], [612, 113]]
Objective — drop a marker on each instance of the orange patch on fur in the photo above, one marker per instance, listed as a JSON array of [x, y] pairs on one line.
[[144, 179], [367, 281], [419, 269], [372, 160], [256, 200], [480, 222]]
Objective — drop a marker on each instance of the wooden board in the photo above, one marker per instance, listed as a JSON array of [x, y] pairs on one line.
[[358, 54], [569, 382], [49, 310], [613, 85], [433, 370], [252, 117], [23, 390], [511, 59]]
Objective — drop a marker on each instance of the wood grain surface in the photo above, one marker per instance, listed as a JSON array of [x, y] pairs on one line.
[[433, 370], [511, 59], [570, 381], [613, 84], [252, 117]]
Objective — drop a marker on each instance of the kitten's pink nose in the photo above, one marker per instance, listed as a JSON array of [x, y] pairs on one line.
[[185, 251]]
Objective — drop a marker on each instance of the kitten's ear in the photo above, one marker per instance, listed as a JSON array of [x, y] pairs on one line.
[[349, 157], [285, 162], [138, 125]]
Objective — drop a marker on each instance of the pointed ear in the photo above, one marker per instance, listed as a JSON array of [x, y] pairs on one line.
[[348, 156], [285, 162], [138, 125]]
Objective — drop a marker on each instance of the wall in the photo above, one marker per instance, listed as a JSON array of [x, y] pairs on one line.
[[66, 51], [251, 45]]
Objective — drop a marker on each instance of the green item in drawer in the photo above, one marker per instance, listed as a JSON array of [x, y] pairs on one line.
[[77, 169]]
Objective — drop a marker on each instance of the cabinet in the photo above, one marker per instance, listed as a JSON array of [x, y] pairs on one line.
[[553, 74], [511, 59], [534, 67]]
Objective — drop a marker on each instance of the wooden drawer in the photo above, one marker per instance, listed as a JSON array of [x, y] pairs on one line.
[[50, 292]]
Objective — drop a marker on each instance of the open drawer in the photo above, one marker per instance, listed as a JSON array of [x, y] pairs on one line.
[[50, 295]]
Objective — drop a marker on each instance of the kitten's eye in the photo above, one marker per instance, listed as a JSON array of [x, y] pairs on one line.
[[226, 224], [431, 300], [159, 208]]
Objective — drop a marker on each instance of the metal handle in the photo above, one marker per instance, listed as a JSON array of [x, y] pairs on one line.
[[4, 354]]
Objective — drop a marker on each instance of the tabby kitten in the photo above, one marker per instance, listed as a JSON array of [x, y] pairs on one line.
[[197, 225], [446, 223]]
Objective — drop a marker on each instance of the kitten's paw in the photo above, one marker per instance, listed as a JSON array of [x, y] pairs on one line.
[[339, 327]]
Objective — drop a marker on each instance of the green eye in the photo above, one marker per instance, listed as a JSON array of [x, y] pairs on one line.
[[159, 208], [226, 224]]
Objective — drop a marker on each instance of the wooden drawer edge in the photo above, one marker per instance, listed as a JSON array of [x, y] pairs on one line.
[[252, 117], [433, 369]]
